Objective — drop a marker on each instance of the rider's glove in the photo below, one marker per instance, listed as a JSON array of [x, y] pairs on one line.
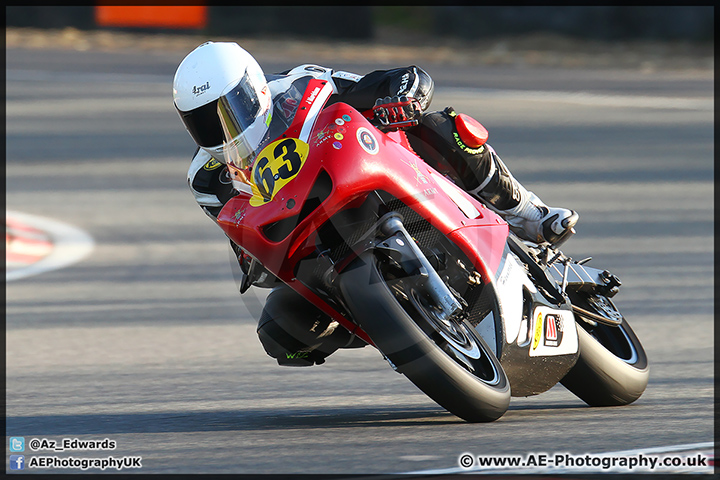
[[397, 112]]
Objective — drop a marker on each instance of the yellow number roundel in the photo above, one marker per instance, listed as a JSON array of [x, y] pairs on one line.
[[276, 166]]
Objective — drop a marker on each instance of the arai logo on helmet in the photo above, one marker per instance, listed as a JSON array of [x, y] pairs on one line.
[[201, 89]]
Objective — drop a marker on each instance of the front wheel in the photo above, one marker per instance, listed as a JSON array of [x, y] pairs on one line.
[[445, 359], [612, 368]]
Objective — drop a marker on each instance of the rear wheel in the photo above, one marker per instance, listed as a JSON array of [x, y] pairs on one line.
[[446, 359], [612, 368]]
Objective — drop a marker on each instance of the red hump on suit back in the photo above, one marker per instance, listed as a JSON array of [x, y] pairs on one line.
[[471, 132]]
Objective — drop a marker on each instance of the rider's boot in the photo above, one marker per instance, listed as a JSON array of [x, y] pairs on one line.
[[456, 145], [525, 213]]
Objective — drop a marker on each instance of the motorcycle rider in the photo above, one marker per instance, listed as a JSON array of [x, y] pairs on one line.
[[220, 73]]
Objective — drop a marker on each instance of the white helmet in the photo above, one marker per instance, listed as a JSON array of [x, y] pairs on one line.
[[221, 95]]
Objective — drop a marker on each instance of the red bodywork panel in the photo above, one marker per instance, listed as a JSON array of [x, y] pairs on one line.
[[359, 159]]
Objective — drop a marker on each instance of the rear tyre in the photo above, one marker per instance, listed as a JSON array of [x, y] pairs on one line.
[[612, 368], [448, 361]]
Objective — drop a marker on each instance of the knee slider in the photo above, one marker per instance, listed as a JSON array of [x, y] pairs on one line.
[[295, 332], [286, 349]]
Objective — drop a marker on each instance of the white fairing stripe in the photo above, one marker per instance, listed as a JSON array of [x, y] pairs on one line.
[[319, 102], [511, 278]]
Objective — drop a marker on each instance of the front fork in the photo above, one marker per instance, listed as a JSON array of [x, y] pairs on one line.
[[400, 246]]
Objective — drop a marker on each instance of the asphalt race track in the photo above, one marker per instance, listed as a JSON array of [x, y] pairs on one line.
[[146, 341]]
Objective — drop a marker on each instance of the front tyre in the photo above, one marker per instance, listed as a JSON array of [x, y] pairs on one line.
[[448, 361], [612, 368]]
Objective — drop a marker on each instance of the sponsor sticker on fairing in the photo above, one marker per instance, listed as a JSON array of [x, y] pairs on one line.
[[554, 333], [553, 330], [367, 141]]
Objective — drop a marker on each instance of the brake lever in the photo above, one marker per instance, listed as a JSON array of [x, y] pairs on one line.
[[381, 114]]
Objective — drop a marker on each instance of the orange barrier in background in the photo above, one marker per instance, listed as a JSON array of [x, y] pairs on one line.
[[192, 16]]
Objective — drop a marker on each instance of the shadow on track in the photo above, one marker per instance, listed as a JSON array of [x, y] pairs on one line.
[[229, 420]]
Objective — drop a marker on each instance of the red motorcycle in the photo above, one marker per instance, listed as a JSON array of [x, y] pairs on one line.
[[351, 219]]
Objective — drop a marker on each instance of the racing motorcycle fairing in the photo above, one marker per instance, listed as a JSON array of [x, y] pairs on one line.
[[311, 173], [328, 180], [540, 338]]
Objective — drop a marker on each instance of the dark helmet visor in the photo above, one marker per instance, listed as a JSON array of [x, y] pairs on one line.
[[239, 108]]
